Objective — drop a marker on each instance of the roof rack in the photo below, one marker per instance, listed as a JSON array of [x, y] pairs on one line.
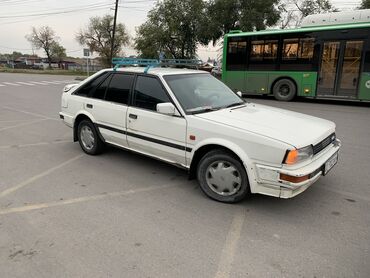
[[150, 63]]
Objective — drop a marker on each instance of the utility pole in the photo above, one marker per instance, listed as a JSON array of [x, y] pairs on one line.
[[114, 30]]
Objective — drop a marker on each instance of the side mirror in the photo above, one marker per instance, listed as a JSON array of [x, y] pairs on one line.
[[239, 93], [166, 108]]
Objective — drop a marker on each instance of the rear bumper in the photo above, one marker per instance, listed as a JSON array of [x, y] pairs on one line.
[[269, 182]]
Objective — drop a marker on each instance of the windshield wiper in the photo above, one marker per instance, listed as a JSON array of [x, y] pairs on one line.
[[203, 109], [235, 104]]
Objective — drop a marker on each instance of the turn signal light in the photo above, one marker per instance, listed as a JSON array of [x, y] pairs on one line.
[[292, 157], [294, 179]]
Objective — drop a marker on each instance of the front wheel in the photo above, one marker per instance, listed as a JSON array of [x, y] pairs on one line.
[[284, 90], [222, 177]]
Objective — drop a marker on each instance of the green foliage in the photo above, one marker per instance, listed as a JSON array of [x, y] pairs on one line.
[[247, 15], [173, 27], [365, 4], [58, 52], [45, 38], [98, 37]]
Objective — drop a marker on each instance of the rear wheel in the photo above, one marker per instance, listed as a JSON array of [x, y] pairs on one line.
[[89, 139], [222, 177], [284, 90]]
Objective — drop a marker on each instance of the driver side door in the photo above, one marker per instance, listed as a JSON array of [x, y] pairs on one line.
[[150, 132]]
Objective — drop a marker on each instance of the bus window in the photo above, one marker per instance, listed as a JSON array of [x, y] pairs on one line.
[[306, 47], [290, 49], [257, 50], [264, 50], [236, 54], [270, 51]]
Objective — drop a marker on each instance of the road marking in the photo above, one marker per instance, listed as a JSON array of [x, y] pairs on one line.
[[82, 199], [52, 82], [23, 124], [39, 176], [11, 84], [14, 121], [1, 85], [38, 83], [228, 252], [34, 144], [30, 113], [24, 83]]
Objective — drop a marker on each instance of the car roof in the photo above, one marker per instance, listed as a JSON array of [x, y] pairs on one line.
[[159, 71]]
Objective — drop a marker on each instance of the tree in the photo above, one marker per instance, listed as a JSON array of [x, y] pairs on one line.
[[293, 12], [45, 38], [98, 37], [173, 27], [308, 7], [247, 15], [58, 52], [365, 4]]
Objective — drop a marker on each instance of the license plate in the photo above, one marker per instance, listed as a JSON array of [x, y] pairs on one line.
[[329, 164]]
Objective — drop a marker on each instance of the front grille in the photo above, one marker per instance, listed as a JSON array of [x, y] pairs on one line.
[[324, 143]]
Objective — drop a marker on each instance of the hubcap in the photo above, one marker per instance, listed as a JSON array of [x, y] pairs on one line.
[[223, 178], [87, 137], [284, 90]]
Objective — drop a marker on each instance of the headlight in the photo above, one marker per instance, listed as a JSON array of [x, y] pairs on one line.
[[298, 155]]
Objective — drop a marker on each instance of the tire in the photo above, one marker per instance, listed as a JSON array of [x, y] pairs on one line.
[[227, 182], [89, 139], [284, 90]]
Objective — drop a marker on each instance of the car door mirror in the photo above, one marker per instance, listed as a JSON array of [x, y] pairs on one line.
[[166, 108], [239, 93]]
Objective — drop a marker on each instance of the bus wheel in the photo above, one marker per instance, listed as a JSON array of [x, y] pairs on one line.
[[284, 90]]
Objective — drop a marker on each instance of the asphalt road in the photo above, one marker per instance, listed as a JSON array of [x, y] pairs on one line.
[[67, 214]]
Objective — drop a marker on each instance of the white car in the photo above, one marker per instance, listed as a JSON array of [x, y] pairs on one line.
[[192, 120]]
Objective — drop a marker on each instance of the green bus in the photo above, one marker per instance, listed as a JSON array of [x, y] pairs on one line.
[[317, 61]]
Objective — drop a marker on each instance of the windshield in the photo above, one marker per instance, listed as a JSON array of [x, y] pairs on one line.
[[199, 93]]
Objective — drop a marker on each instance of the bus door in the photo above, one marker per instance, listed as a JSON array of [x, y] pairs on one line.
[[340, 68]]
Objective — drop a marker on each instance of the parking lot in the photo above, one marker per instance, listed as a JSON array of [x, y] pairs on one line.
[[66, 214]]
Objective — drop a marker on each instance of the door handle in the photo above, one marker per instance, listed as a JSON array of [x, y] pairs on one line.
[[132, 116], [354, 81], [89, 105]]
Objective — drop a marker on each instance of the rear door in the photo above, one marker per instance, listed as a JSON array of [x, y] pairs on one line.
[[109, 107], [149, 131]]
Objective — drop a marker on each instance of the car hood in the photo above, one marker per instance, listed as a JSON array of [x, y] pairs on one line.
[[296, 129]]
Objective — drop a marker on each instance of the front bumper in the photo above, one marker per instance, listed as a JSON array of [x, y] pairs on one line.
[[269, 182], [67, 119]]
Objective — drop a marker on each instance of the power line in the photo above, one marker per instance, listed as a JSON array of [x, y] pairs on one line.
[[60, 11]]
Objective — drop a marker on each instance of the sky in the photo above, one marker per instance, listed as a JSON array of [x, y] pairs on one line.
[[67, 17]]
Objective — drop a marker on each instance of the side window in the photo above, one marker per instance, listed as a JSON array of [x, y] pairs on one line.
[[99, 92], [257, 50], [302, 49], [263, 50], [270, 51], [86, 89], [306, 47], [236, 58], [148, 93], [290, 49], [119, 88]]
